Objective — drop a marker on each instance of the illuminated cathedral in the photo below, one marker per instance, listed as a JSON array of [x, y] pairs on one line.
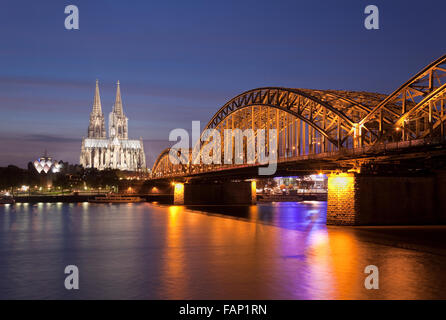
[[117, 151]]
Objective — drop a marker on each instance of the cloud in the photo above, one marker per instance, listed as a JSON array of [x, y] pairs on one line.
[[48, 138], [42, 81], [127, 88], [20, 149]]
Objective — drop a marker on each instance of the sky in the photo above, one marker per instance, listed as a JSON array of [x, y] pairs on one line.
[[179, 61]]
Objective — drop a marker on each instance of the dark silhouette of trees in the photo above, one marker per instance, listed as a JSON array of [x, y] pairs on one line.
[[13, 177], [71, 177], [101, 179]]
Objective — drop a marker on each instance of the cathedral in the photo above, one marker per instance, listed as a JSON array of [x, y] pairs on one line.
[[116, 151]]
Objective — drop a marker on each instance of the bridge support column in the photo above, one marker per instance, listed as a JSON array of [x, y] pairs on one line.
[[355, 199], [178, 194], [243, 192], [341, 199]]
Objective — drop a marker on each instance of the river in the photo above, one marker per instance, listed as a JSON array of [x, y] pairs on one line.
[[267, 251]]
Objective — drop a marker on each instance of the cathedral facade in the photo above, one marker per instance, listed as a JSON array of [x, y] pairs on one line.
[[117, 151]]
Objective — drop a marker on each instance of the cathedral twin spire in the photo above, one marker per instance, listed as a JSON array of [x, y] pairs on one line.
[[116, 151], [118, 101], [96, 128], [97, 109], [117, 107], [118, 122]]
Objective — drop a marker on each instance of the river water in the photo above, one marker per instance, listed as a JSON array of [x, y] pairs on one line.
[[268, 251]]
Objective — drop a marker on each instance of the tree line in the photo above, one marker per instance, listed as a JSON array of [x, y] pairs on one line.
[[71, 177]]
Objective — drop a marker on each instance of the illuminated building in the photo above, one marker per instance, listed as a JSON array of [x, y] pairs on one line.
[[47, 164], [116, 151]]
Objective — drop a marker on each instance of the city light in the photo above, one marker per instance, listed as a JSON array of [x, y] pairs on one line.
[[179, 193], [240, 104], [253, 191], [46, 164], [179, 187], [341, 181]]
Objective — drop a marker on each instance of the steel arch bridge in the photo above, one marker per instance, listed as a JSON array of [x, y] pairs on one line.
[[317, 123]]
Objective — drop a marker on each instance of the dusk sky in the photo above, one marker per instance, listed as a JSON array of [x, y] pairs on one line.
[[179, 61]]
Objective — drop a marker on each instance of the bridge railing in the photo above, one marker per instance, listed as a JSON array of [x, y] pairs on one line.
[[380, 148]]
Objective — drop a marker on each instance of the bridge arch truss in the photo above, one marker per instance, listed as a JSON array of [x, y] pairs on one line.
[[312, 122]]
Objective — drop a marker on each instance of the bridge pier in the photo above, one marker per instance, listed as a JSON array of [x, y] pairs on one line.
[[355, 199], [243, 192]]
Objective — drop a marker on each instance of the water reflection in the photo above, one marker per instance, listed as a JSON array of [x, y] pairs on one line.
[[268, 251], [288, 215]]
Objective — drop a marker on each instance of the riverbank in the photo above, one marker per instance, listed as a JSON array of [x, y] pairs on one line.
[[164, 198], [292, 197]]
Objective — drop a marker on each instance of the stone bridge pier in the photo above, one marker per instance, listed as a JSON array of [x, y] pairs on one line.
[[243, 192], [355, 199]]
